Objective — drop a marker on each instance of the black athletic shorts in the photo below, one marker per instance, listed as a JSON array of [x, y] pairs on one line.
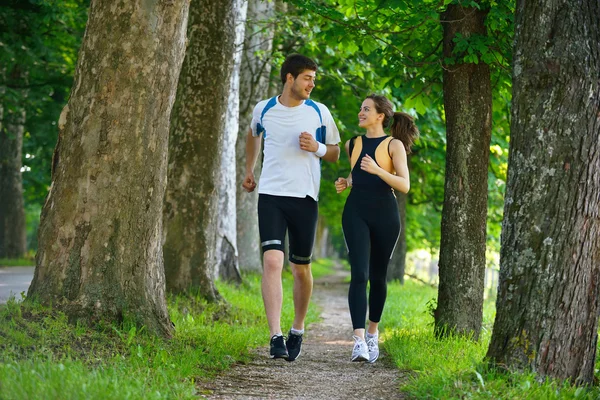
[[298, 216]]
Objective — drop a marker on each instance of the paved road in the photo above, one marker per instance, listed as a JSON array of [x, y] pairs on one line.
[[13, 281]]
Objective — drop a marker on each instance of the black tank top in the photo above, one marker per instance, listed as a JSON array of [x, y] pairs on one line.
[[362, 180]]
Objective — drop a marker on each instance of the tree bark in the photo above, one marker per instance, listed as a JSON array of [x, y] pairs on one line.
[[468, 106], [100, 252], [227, 260], [547, 309], [321, 248], [254, 85], [13, 234], [195, 148], [397, 265]]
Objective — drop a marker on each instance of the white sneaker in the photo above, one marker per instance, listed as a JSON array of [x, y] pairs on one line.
[[360, 352], [373, 348]]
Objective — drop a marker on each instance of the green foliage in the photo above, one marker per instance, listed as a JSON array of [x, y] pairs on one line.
[[39, 41], [395, 49], [364, 46]]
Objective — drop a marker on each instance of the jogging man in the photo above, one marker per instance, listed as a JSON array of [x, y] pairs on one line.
[[297, 134]]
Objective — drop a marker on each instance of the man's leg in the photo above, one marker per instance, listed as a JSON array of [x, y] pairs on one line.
[[272, 227], [303, 285], [302, 224], [272, 290]]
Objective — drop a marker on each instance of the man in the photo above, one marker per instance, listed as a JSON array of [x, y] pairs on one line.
[[297, 133]]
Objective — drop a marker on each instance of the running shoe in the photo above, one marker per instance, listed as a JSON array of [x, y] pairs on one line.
[[360, 352], [293, 345], [278, 349], [373, 347]]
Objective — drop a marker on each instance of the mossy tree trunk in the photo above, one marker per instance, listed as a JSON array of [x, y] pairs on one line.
[[100, 253], [13, 235], [254, 86], [547, 307], [468, 108], [195, 147]]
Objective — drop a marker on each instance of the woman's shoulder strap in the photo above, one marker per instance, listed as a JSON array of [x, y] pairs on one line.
[[351, 144], [355, 150], [383, 156]]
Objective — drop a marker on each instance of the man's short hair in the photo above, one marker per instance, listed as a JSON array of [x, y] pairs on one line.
[[295, 64]]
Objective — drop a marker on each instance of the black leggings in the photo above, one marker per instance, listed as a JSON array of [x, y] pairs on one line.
[[371, 225]]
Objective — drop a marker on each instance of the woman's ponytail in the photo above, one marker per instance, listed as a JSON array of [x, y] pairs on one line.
[[403, 125], [404, 129]]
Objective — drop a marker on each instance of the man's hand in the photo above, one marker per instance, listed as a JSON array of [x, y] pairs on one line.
[[308, 142], [249, 183]]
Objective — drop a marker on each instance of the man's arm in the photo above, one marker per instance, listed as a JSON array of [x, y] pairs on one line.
[[333, 153], [308, 143], [252, 151]]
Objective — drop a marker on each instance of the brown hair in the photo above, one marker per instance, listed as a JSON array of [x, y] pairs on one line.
[[403, 125], [295, 64]]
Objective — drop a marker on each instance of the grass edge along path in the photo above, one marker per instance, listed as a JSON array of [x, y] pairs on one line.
[[18, 262], [453, 368], [42, 356]]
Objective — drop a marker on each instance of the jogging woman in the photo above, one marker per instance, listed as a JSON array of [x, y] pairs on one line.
[[370, 220]]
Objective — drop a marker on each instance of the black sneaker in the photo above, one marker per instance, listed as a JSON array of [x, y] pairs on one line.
[[278, 349], [294, 346]]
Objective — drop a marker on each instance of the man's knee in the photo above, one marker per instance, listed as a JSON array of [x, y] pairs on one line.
[[301, 271], [273, 260]]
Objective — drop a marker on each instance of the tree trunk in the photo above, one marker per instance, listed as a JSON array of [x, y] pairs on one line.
[[547, 309], [227, 253], [468, 107], [398, 262], [13, 235], [322, 239], [100, 253], [195, 147], [254, 85]]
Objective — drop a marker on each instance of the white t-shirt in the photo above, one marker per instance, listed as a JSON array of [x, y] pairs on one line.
[[287, 170]]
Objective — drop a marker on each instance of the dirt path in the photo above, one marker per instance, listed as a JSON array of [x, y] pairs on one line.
[[322, 372]]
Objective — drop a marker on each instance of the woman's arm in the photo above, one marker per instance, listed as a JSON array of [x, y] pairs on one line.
[[401, 180], [342, 184]]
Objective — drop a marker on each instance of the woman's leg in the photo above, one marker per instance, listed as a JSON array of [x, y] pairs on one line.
[[385, 230], [356, 235]]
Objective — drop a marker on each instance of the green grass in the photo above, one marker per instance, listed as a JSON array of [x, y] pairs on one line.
[[322, 267], [453, 368], [17, 262], [42, 356]]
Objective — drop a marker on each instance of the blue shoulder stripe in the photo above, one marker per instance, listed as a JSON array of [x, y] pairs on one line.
[[259, 126], [320, 134], [314, 105]]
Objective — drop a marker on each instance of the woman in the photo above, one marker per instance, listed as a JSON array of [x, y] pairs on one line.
[[370, 221]]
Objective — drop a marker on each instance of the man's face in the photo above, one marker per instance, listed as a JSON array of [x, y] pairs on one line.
[[303, 84]]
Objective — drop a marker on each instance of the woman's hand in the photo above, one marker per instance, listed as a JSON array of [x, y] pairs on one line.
[[369, 165], [341, 184]]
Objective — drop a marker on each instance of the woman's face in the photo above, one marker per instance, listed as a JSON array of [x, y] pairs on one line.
[[368, 115]]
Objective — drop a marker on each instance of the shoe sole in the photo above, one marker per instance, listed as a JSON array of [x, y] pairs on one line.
[[284, 356], [373, 360], [360, 359], [292, 359]]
